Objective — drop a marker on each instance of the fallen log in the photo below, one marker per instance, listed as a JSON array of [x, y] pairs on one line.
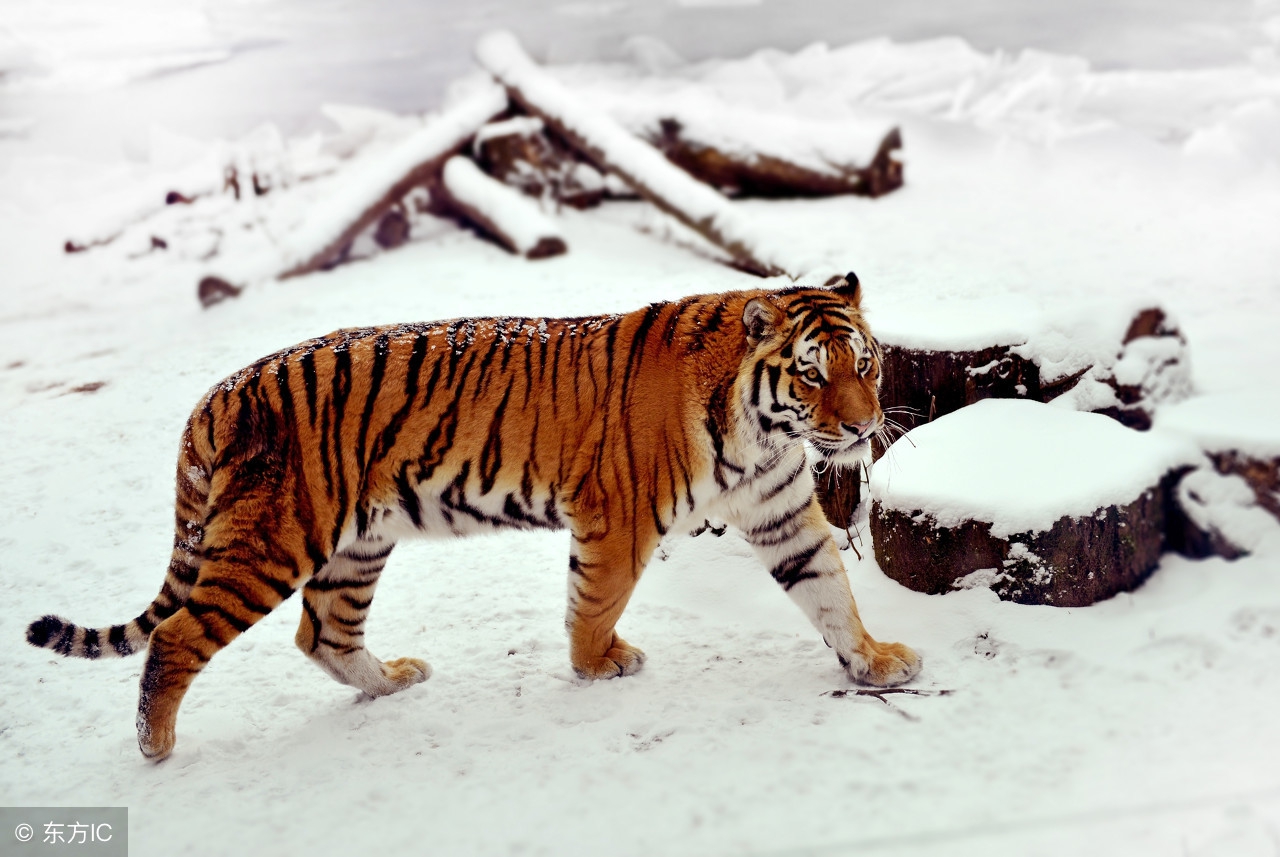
[[519, 153], [611, 148], [753, 173], [371, 187], [502, 213], [1040, 504]]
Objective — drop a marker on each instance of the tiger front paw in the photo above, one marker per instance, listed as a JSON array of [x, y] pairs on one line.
[[884, 664], [621, 659], [405, 672]]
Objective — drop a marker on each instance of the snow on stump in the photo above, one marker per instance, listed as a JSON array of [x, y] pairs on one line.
[[1041, 504], [1120, 360], [500, 212], [609, 146]]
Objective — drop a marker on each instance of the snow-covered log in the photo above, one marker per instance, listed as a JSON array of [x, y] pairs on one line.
[[500, 212], [611, 148], [1042, 505], [746, 172], [368, 189], [518, 152]]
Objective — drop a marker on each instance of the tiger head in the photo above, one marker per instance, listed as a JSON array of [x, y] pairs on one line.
[[813, 369]]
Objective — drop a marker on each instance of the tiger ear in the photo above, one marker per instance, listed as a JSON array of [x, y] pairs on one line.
[[759, 317], [848, 288]]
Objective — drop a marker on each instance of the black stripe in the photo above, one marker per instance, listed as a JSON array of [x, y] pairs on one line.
[[65, 642], [376, 372], [326, 584], [368, 557], [793, 569], [118, 642], [773, 523], [783, 483], [200, 608], [408, 496], [491, 454], [308, 365], [315, 623], [338, 404], [91, 647], [355, 603]]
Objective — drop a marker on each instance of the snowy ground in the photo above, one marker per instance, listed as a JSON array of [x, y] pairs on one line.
[[1143, 725]]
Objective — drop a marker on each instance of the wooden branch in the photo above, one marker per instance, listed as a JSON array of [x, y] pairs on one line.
[[499, 211], [759, 174], [881, 692], [605, 143], [370, 188]]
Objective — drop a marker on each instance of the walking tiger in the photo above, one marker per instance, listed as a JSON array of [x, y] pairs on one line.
[[303, 470]]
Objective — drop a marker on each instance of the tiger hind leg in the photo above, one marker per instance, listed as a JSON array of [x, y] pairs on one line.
[[335, 604], [231, 593]]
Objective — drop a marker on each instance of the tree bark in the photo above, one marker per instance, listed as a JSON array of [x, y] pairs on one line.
[[1077, 562], [768, 176]]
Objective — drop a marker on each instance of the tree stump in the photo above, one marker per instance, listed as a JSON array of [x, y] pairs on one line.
[[1124, 375], [1041, 504], [1224, 504], [1133, 361]]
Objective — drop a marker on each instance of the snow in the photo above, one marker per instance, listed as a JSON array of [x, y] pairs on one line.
[[1021, 466], [515, 214], [1226, 505], [1144, 725], [1245, 422]]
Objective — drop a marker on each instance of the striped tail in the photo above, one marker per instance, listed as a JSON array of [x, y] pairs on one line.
[[67, 638]]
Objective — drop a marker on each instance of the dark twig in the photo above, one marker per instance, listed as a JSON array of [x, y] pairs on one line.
[[881, 692]]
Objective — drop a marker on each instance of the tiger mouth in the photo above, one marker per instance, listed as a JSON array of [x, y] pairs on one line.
[[835, 451]]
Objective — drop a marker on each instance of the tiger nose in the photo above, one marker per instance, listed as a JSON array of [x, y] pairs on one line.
[[857, 428]]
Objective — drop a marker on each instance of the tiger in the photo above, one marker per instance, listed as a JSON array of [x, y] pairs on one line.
[[303, 471]]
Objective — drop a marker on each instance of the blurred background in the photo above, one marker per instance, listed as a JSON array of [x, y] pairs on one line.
[[218, 68]]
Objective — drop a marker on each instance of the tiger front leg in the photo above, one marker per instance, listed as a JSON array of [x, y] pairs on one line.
[[335, 605], [795, 544], [603, 571]]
